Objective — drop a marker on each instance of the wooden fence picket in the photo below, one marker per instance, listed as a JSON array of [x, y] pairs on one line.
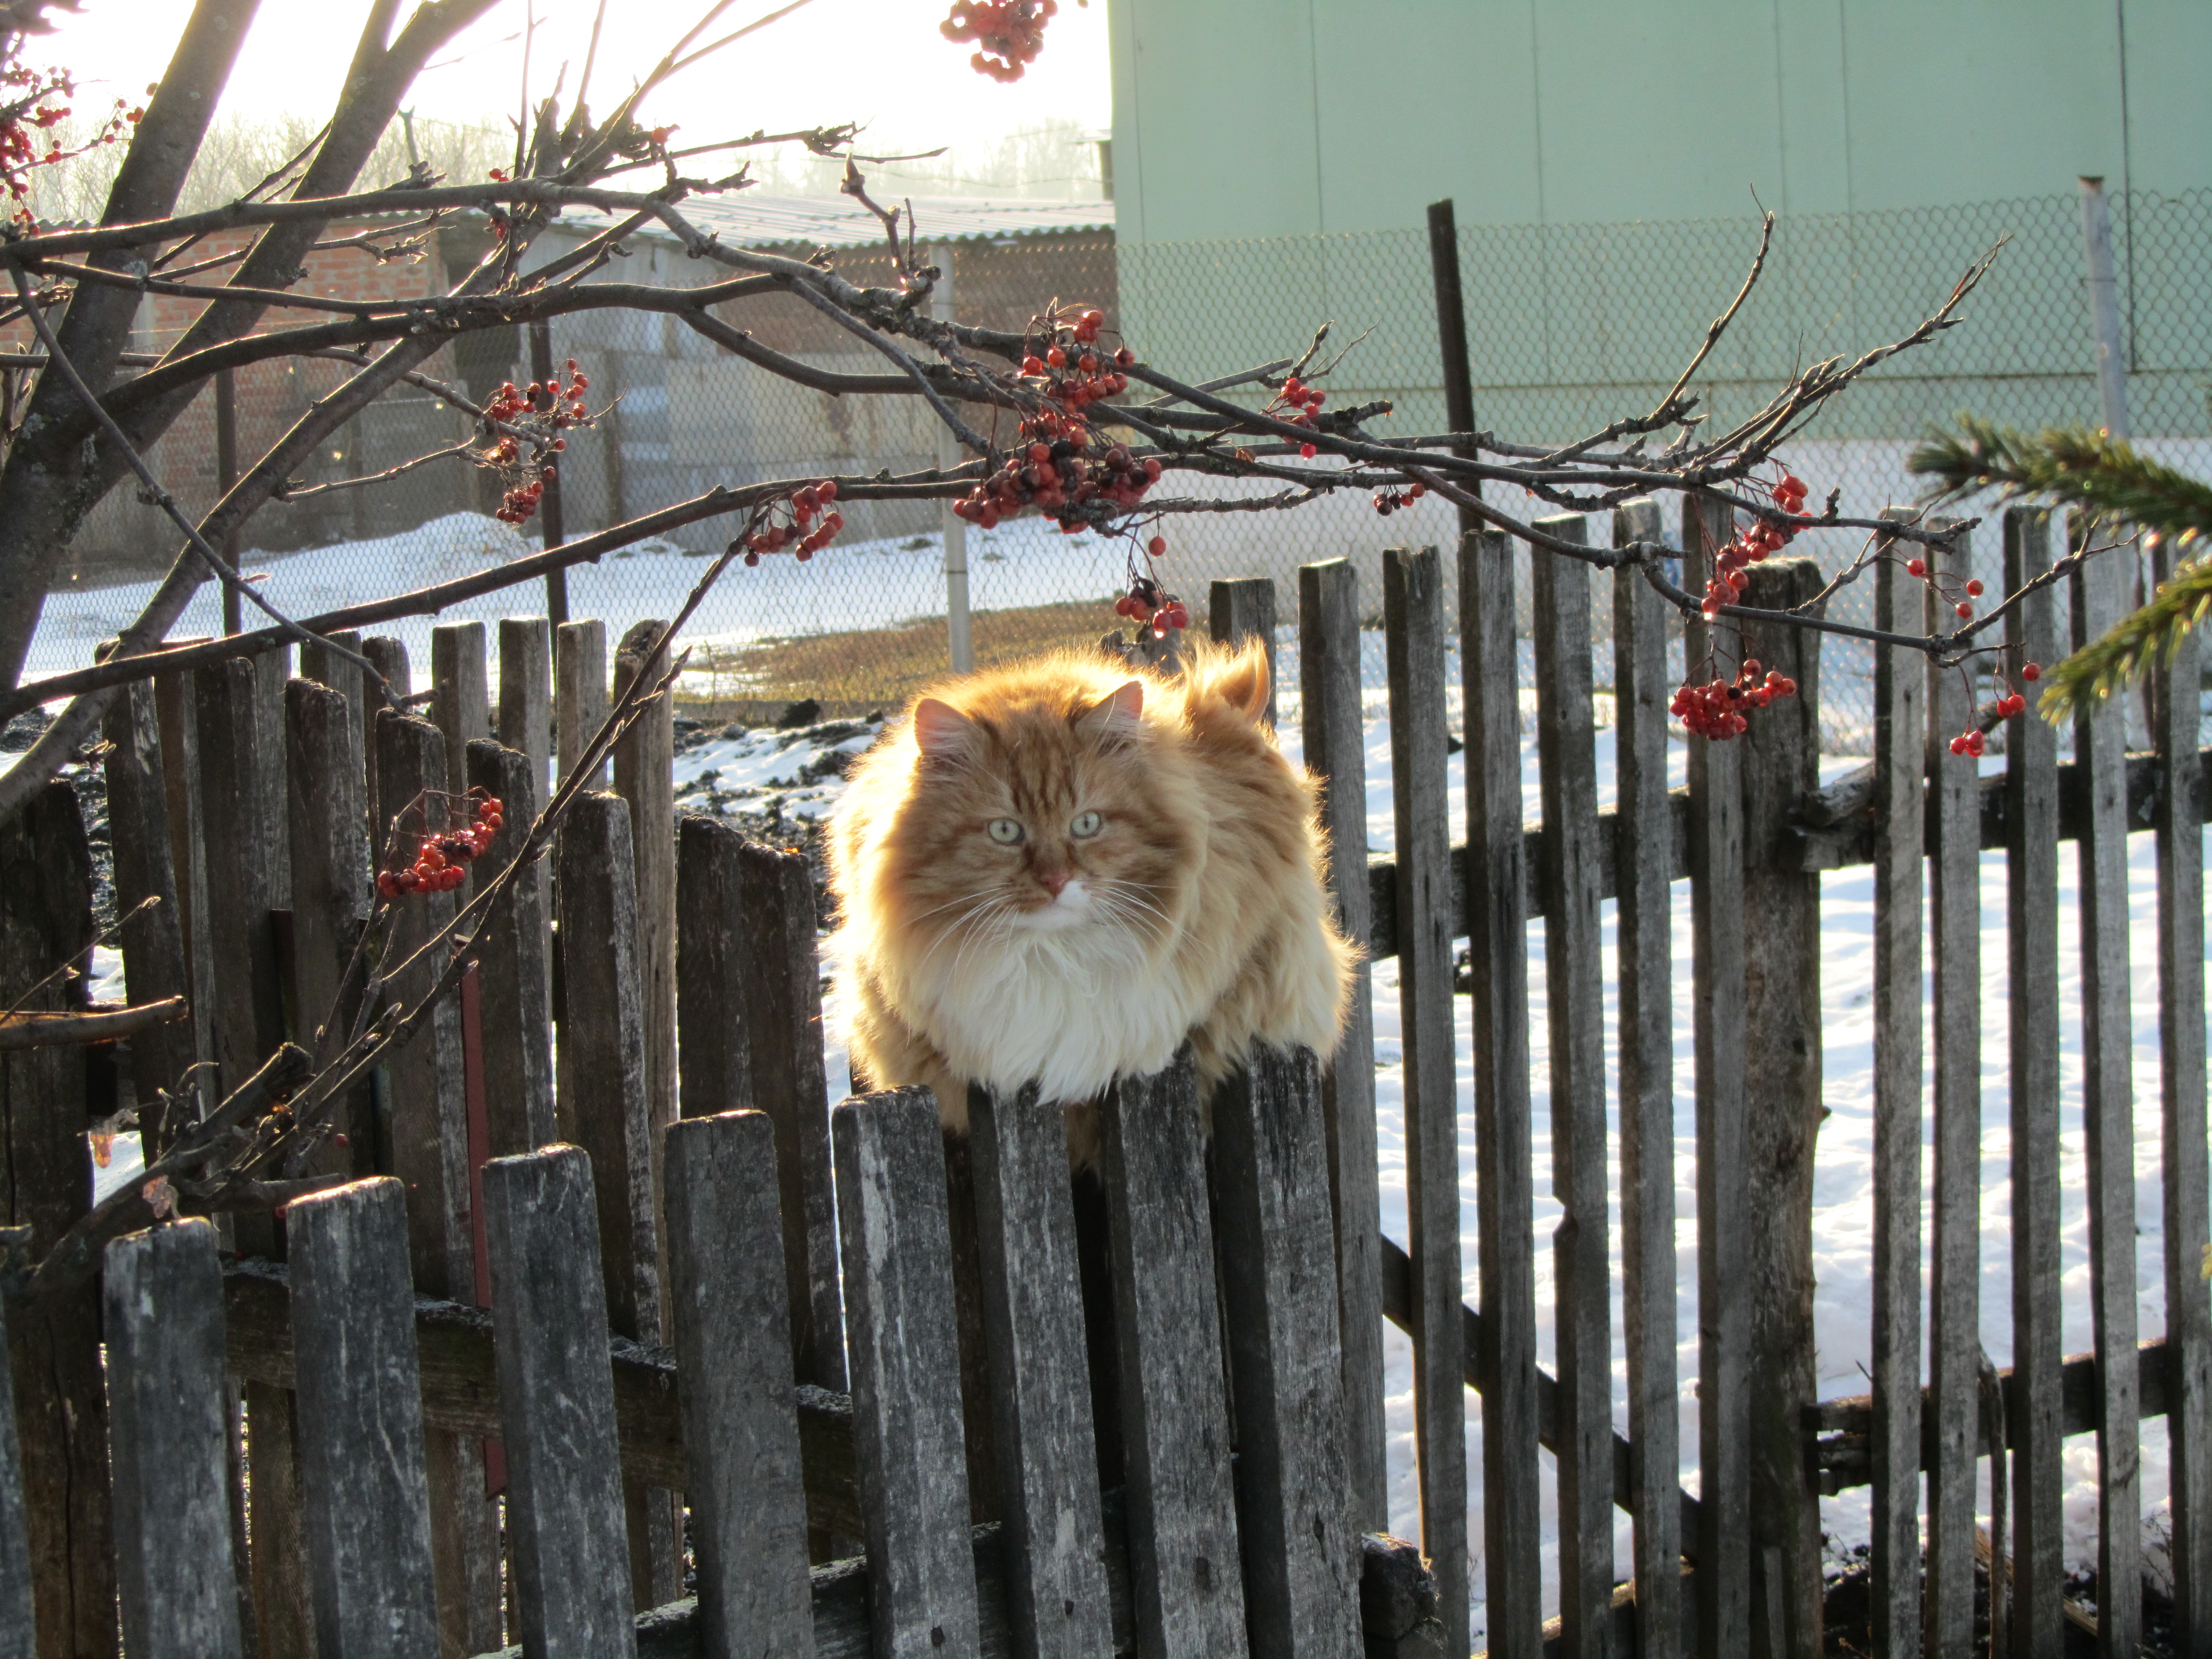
[[151, 941], [2034, 1411], [164, 1302], [1185, 1578], [1900, 764], [512, 970], [2108, 1109], [906, 1375], [524, 711], [18, 1634], [331, 891], [731, 1328], [365, 1480], [644, 776], [1643, 861], [389, 655], [460, 693], [2180, 825], [579, 694], [1048, 1460], [565, 1511], [1567, 750]]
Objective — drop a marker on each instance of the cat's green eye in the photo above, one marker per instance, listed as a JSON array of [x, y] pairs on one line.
[[1086, 824], [1006, 831]]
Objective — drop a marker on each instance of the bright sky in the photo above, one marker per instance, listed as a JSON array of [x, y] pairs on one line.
[[881, 62]]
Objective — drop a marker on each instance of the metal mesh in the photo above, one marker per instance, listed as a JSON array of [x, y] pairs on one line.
[[1569, 327]]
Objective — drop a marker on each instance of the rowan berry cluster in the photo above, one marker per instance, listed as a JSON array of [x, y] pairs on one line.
[[540, 412], [1388, 502], [1752, 545], [441, 860], [807, 501], [2011, 706], [1721, 708], [1078, 371], [1008, 33], [1299, 405], [27, 114], [1949, 590], [1148, 603]]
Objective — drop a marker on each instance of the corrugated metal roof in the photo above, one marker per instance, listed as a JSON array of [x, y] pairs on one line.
[[747, 218]]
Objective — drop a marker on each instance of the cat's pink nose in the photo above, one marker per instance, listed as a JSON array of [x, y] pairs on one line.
[[1054, 880]]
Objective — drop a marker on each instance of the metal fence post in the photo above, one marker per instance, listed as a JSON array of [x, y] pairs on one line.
[[962, 643]]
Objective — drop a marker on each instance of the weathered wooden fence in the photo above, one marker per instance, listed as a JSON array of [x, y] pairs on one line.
[[451, 1403]]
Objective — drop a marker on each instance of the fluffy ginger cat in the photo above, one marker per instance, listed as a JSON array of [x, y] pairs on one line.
[[1055, 870]]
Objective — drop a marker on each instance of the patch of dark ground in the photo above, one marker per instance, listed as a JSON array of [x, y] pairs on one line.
[[84, 775], [1849, 1606]]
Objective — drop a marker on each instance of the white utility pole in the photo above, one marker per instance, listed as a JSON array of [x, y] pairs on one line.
[[2105, 308], [955, 528]]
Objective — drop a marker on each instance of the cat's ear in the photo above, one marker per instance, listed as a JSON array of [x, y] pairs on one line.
[[1114, 717], [1244, 682], [940, 730]]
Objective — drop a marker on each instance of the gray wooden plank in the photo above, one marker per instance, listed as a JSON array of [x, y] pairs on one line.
[[1644, 862], [1718, 955], [524, 719], [906, 1374], [557, 1407], [602, 1060], [2176, 713], [460, 693], [1497, 924], [164, 1304], [2035, 1408], [2108, 1114], [1414, 609], [244, 1005], [1900, 765], [713, 945], [175, 706], [389, 657], [331, 894], [366, 1485], [1334, 730], [1239, 608], [151, 941], [18, 1630], [511, 970], [732, 1331], [1047, 1456], [580, 693], [1183, 1552], [783, 1017], [1301, 1555], [1954, 927], [270, 669], [1567, 750]]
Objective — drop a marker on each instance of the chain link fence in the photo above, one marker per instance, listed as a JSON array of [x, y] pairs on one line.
[[1569, 327]]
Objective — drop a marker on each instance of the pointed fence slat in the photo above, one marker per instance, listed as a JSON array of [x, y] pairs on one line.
[[579, 694], [1301, 1555], [1414, 607], [1048, 1457], [136, 773], [1560, 610], [460, 693], [2181, 820], [1334, 730], [906, 1374], [558, 1407], [731, 1328], [164, 1296], [2035, 1409], [361, 1452], [2108, 1111], [1185, 1577], [1717, 923], [512, 970], [331, 891], [1954, 935]]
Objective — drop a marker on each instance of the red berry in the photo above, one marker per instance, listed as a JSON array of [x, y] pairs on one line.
[[1915, 567], [1157, 545], [2031, 673], [1056, 357], [1307, 451], [1965, 610], [1973, 590]]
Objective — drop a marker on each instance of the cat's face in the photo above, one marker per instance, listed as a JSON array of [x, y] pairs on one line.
[[1028, 819]]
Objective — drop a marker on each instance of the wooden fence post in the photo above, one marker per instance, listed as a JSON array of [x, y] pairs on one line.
[[460, 693], [428, 1133], [164, 1296], [331, 891], [1780, 762], [246, 1003], [1185, 1578], [1900, 767], [579, 692], [1335, 753], [2108, 1111], [390, 656], [1048, 1459], [1497, 936], [906, 1375], [525, 724], [644, 776], [731, 1328], [714, 944], [271, 669], [1723, 1300], [173, 703], [511, 970], [18, 1635], [557, 1407], [61, 1403], [1301, 1555], [2181, 1035], [1643, 863], [153, 940], [1582, 1275], [361, 1452], [1239, 609]]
